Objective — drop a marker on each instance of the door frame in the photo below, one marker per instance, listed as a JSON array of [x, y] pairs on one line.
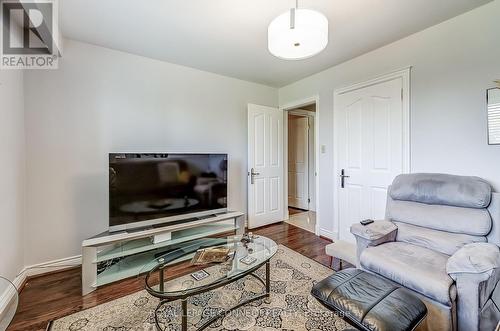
[[286, 108], [404, 74]]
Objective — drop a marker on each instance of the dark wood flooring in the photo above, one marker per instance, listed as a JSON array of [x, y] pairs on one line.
[[49, 297]]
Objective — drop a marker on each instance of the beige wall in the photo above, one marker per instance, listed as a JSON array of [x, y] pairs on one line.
[[99, 101], [11, 173]]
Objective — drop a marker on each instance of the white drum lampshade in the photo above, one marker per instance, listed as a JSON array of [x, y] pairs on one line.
[[298, 34]]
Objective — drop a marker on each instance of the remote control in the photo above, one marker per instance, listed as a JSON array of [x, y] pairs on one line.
[[366, 222]]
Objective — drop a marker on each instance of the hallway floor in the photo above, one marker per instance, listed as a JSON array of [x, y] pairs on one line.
[[303, 219]]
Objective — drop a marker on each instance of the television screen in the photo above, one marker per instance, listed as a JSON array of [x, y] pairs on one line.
[[146, 189]]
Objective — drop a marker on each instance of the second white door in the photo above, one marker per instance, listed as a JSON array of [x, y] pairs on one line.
[[369, 124], [298, 162]]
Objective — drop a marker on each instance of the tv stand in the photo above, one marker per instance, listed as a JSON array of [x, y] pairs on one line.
[[112, 256], [207, 216]]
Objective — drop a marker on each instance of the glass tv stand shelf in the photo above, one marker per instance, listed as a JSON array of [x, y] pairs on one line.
[[109, 257]]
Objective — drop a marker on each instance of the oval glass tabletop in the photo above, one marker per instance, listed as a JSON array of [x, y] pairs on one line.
[[243, 259], [8, 303]]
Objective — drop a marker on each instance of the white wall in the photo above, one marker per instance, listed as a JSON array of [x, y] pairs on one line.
[[11, 172], [101, 100], [453, 65]]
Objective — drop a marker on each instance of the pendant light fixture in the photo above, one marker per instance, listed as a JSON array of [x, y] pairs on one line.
[[297, 34]]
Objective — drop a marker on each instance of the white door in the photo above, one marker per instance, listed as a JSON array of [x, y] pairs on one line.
[[369, 124], [265, 165], [298, 162]]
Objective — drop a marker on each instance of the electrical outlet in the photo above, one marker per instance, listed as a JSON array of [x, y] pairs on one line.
[[323, 149]]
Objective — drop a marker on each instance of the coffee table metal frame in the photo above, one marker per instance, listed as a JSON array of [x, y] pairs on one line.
[[184, 295]]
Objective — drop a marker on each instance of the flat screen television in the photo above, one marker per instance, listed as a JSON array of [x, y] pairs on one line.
[[151, 189]]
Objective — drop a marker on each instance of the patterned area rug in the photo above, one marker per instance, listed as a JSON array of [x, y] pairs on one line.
[[289, 307]]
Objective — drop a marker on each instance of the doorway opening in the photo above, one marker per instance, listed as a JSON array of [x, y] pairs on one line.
[[301, 163]]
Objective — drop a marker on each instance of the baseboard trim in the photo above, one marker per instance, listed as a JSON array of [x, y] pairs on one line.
[[33, 271], [51, 266], [325, 238], [328, 234]]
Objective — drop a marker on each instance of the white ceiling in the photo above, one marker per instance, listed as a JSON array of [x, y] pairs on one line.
[[229, 37]]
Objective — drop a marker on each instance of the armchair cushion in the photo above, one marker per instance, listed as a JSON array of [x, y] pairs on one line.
[[442, 189], [441, 241], [474, 258], [417, 268], [471, 221]]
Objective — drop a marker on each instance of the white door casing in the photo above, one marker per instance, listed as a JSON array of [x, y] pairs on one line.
[[372, 145], [265, 158], [312, 163], [298, 161], [315, 176]]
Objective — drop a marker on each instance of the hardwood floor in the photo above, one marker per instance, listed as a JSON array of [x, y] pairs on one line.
[[52, 296]]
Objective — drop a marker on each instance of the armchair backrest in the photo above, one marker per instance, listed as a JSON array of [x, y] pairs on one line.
[[443, 212]]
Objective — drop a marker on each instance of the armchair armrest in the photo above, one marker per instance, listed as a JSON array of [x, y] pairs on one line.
[[476, 271], [476, 258], [373, 234]]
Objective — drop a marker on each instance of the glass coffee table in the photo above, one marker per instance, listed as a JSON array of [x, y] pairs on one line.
[[9, 301], [248, 257]]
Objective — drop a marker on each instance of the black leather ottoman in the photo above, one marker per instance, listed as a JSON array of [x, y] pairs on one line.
[[370, 302]]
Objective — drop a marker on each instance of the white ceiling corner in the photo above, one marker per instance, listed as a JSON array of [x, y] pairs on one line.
[[229, 37]]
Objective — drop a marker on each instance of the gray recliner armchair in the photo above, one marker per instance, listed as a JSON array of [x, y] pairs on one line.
[[440, 239]]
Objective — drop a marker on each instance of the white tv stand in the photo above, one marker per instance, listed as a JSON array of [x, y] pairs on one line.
[[131, 251]]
